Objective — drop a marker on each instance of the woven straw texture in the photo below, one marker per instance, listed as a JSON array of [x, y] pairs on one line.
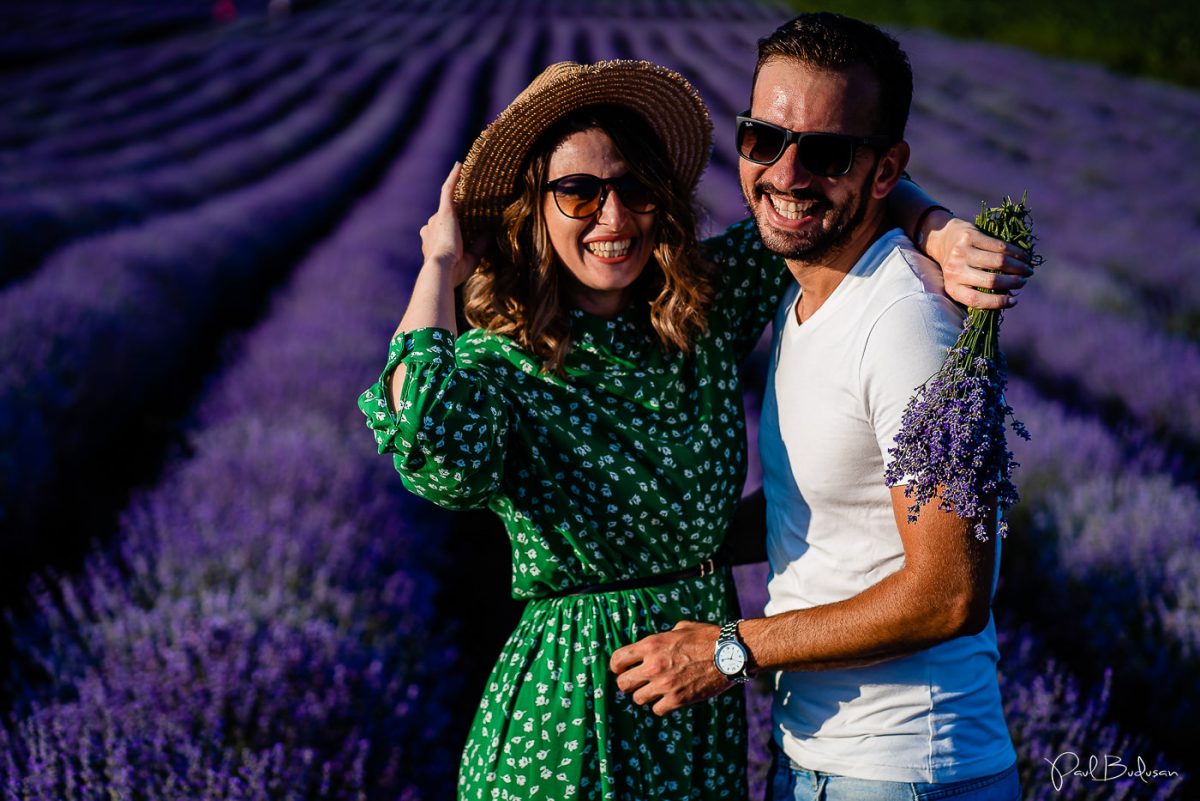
[[662, 96]]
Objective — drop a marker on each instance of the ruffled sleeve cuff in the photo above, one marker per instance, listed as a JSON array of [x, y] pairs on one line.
[[425, 353]]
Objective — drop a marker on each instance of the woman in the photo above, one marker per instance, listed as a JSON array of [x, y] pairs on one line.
[[596, 408]]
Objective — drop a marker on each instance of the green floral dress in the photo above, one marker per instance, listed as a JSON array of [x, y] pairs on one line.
[[631, 465]]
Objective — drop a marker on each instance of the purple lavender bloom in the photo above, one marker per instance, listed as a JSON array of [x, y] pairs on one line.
[[265, 625], [1051, 716], [951, 443]]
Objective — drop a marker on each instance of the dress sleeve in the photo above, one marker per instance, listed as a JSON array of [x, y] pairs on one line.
[[751, 280], [449, 434]]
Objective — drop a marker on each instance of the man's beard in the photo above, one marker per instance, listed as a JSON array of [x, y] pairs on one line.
[[816, 245]]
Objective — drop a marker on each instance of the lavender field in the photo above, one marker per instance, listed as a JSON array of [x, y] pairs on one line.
[[216, 589]]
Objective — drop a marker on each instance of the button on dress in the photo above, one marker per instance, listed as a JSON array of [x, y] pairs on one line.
[[630, 464]]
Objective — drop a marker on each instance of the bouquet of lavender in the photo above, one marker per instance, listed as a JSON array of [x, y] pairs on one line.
[[952, 436]]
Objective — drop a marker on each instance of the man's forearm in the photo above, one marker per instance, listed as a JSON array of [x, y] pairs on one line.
[[942, 591], [891, 619]]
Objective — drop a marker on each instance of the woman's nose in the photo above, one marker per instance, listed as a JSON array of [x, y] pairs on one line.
[[612, 210]]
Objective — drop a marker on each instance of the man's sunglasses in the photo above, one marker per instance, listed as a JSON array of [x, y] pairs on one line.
[[824, 154], [581, 195]]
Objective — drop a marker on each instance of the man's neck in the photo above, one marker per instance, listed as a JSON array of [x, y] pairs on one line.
[[819, 278]]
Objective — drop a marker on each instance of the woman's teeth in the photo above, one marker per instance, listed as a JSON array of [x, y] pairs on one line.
[[610, 249], [790, 209]]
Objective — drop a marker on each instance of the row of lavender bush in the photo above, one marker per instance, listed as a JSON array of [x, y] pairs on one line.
[[191, 91], [83, 83], [35, 223], [168, 96], [150, 141], [173, 540], [109, 325], [1109, 557], [32, 36], [270, 630], [1069, 132]]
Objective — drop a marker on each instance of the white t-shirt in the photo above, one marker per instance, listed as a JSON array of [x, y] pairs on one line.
[[836, 391]]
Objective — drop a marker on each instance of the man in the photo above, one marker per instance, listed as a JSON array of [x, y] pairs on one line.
[[881, 629]]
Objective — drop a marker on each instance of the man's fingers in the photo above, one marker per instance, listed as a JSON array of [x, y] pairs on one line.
[[664, 707], [625, 658], [647, 694], [631, 680]]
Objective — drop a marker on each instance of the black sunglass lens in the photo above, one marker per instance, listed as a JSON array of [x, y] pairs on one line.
[[758, 142], [826, 154]]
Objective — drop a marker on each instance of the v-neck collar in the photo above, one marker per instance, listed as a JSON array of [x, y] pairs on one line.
[[870, 257]]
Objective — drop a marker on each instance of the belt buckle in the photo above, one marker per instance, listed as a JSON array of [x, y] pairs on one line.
[[709, 565]]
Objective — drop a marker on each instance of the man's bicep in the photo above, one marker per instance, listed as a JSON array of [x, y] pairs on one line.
[[956, 567]]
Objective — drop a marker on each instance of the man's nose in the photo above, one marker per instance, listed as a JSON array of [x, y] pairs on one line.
[[787, 172]]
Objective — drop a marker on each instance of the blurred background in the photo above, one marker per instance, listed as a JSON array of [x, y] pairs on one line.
[[215, 588]]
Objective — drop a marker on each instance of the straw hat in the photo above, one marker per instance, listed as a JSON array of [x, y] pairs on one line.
[[666, 100]]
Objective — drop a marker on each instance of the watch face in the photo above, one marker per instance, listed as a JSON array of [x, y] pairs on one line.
[[731, 659]]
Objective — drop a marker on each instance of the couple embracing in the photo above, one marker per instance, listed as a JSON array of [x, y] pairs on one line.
[[596, 407]]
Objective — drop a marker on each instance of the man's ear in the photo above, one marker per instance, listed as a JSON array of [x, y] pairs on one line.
[[890, 169]]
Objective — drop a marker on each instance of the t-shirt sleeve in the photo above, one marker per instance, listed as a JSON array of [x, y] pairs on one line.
[[449, 432], [750, 281], [907, 344]]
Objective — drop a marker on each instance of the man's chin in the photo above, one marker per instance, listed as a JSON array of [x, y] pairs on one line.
[[792, 244]]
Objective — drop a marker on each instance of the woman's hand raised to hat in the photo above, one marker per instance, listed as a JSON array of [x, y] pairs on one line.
[[441, 237]]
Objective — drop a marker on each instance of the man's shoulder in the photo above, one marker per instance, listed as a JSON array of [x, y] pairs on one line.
[[895, 274], [902, 269]]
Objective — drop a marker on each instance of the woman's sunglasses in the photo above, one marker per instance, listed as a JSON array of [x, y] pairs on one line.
[[824, 154], [581, 195]]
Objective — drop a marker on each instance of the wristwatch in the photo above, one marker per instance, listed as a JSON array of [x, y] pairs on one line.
[[731, 657]]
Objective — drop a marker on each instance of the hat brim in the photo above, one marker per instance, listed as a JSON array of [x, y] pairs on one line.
[[668, 102]]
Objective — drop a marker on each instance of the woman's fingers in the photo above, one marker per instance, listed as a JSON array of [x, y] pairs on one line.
[[986, 250], [975, 299], [447, 198], [989, 279]]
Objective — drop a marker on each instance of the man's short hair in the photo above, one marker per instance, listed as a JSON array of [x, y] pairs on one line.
[[834, 42]]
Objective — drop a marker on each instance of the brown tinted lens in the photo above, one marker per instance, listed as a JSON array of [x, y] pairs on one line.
[[577, 195]]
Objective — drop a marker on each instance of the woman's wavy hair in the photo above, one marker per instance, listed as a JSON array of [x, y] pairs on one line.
[[518, 288]]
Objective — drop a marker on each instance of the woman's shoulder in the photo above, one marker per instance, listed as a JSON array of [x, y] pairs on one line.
[[734, 243], [490, 351]]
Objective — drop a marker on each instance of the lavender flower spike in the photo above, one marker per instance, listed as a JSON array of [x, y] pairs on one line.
[[951, 443]]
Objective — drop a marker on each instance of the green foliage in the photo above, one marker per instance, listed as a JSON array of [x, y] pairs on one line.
[[1157, 38]]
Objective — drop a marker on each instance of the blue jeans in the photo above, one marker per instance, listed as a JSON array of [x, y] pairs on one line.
[[789, 782]]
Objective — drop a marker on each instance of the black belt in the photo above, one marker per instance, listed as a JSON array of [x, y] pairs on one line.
[[706, 568]]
